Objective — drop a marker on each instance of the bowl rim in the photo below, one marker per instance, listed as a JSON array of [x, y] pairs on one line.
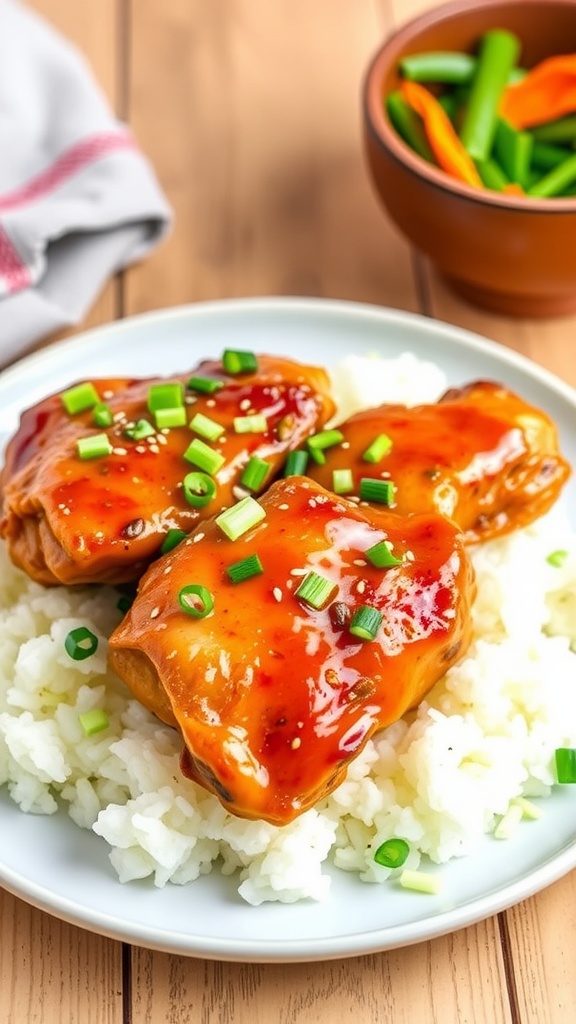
[[382, 132]]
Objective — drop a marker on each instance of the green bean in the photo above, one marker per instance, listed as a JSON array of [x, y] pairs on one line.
[[558, 179], [492, 175], [498, 53], [513, 151], [439, 66], [546, 155], [562, 130], [408, 125]]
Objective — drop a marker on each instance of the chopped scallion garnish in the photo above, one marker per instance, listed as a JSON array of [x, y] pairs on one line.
[[93, 447], [296, 463], [174, 536], [316, 591], [565, 758], [239, 518], [198, 489], [238, 361], [80, 643], [318, 443], [392, 853], [342, 481], [377, 449], [557, 558], [79, 398], [201, 455], [167, 394], [365, 622], [380, 555], [420, 881], [245, 569], [205, 385], [139, 430], [254, 474], [171, 416], [93, 721], [380, 491], [102, 415], [206, 427], [196, 600], [256, 424]]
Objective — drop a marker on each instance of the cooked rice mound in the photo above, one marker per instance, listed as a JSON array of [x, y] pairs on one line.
[[462, 766]]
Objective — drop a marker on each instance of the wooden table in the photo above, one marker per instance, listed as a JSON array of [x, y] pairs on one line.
[[249, 111]]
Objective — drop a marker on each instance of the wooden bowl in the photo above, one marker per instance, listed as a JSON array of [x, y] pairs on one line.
[[511, 254]]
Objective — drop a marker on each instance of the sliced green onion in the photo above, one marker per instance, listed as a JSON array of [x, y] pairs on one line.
[[239, 361], [316, 591], [174, 536], [408, 125], [509, 822], [198, 489], [80, 643], [139, 430], [365, 622], [171, 416], [93, 721], [201, 455], [256, 424], [379, 447], [239, 518], [93, 447], [206, 427], [102, 415], [420, 881], [380, 491], [165, 395], [565, 758], [342, 481], [497, 55], [393, 853], [255, 473], [196, 600], [318, 443], [296, 463], [557, 558], [205, 385], [380, 555], [245, 569], [529, 810], [79, 398]]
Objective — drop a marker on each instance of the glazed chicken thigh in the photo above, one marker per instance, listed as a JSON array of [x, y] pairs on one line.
[[481, 455], [279, 652], [96, 476]]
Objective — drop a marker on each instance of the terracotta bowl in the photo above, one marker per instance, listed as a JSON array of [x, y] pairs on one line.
[[511, 254]]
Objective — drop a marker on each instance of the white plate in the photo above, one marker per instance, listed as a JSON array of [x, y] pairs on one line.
[[54, 865]]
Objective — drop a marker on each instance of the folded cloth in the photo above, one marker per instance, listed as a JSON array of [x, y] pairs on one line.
[[78, 200]]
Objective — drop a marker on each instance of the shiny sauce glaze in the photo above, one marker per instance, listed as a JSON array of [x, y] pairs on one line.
[[482, 456], [274, 697], [68, 519]]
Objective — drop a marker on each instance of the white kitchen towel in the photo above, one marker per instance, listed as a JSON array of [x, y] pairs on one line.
[[78, 199]]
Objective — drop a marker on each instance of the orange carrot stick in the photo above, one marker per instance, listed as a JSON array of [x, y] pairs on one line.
[[444, 142], [546, 93]]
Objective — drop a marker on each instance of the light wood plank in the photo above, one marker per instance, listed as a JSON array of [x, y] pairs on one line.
[[53, 973], [255, 135], [429, 983]]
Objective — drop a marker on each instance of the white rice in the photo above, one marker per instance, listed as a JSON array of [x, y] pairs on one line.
[[468, 762]]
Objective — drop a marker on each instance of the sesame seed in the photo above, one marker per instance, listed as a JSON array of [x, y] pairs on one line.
[[155, 613], [277, 594], [300, 725], [245, 404], [66, 511], [140, 448], [284, 507], [107, 394], [298, 572], [345, 444], [359, 561], [239, 492], [120, 451], [361, 586], [155, 449], [409, 556], [296, 742], [211, 402], [161, 438], [197, 537]]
